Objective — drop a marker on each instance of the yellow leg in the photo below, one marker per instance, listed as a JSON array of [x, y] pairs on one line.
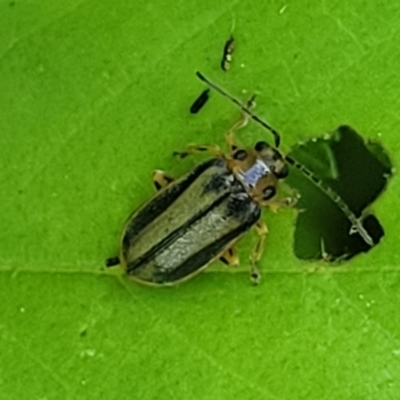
[[194, 149], [161, 179], [230, 135], [262, 230], [276, 204], [230, 257]]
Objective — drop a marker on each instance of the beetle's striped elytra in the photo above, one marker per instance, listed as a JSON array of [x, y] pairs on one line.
[[187, 225], [198, 218]]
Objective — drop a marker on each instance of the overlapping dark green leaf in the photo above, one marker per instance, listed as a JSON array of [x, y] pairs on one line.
[[355, 170]]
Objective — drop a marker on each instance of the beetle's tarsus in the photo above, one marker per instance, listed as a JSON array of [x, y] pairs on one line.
[[180, 154], [262, 230], [194, 149], [255, 276]]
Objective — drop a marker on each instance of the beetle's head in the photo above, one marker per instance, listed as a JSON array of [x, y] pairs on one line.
[[272, 158], [259, 169]]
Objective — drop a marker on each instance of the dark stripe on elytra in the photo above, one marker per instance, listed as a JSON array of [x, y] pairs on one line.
[[174, 235], [204, 256], [162, 201]]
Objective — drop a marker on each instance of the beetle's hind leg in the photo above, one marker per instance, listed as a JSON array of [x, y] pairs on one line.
[[230, 257], [230, 135], [161, 179], [262, 230], [194, 149]]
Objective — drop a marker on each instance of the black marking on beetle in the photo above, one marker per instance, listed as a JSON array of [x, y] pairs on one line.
[[276, 155], [200, 101], [240, 155], [238, 206], [283, 173], [224, 260], [205, 255], [217, 183], [157, 185], [269, 192], [173, 236], [259, 146], [155, 207]]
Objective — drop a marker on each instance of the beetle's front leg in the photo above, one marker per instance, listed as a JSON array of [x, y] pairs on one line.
[[262, 230], [194, 149], [230, 135]]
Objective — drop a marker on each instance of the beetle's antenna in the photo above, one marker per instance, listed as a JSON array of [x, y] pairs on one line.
[[242, 107], [357, 226]]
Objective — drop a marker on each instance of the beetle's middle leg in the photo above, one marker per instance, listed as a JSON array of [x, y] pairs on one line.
[[243, 121], [161, 179], [262, 230]]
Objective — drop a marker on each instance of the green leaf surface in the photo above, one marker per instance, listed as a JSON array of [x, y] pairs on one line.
[[95, 96]]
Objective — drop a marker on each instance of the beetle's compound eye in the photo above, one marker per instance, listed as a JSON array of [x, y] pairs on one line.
[[283, 173], [269, 192], [260, 146], [240, 155], [277, 155]]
